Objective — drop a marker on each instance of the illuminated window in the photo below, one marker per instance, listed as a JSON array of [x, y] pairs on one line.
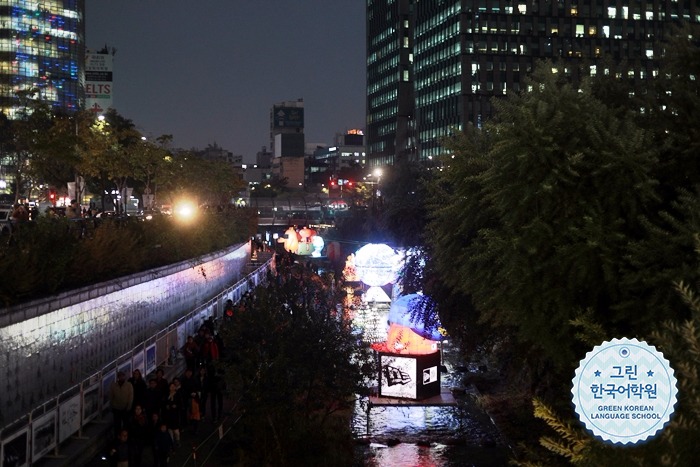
[[612, 12], [522, 8], [650, 53], [405, 75], [405, 42], [592, 30], [574, 10], [555, 30], [606, 31]]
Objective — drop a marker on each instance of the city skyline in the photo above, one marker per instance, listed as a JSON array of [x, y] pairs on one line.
[[209, 74]]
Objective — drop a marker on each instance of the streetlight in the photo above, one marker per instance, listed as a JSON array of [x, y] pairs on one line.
[[377, 174]]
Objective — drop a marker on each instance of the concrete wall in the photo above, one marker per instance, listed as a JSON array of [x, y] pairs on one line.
[[51, 344]]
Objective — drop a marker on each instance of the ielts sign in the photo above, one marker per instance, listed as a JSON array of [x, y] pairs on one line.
[[98, 82], [94, 89]]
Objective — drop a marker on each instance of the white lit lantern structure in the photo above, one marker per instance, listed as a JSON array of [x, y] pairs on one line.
[[377, 264], [318, 244]]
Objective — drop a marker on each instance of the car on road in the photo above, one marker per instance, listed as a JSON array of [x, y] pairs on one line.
[[149, 214]]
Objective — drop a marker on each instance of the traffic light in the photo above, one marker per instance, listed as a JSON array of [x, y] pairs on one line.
[[52, 196]]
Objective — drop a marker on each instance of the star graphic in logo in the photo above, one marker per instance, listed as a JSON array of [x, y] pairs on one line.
[[597, 373], [650, 373]]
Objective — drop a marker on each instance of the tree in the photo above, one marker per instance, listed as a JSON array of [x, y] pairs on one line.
[[295, 369], [210, 182], [55, 158], [19, 139], [151, 164], [403, 211], [535, 213], [109, 154]]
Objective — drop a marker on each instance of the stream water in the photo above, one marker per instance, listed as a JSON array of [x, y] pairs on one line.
[[433, 436]]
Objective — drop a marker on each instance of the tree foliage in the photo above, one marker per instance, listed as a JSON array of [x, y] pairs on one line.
[[295, 370], [51, 255], [567, 220], [541, 206]]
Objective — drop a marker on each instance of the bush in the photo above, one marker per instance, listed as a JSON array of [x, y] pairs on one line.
[[48, 256]]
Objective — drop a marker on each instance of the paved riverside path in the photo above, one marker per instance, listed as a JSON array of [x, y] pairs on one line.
[[87, 447], [92, 448]]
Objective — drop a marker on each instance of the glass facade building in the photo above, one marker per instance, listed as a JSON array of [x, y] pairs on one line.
[[466, 52], [390, 128], [42, 48]]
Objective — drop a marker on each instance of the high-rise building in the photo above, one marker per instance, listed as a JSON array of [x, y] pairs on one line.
[[287, 142], [390, 101], [465, 52], [42, 49]]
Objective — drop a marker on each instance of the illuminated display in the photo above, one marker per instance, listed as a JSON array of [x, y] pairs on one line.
[[376, 264], [304, 242], [409, 377], [45, 43]]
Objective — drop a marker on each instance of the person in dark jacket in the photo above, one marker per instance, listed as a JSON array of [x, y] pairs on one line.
[[154, 398], [163, 446], [120, 450], [172, 413], [140, 387], [138, 436]]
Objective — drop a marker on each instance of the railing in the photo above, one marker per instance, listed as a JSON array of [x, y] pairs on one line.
[[43, 430]]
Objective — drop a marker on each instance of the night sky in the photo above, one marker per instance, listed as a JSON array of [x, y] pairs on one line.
[[208, 71]]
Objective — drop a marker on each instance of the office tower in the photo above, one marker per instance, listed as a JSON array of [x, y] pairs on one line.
[[42, 48], [464, 53], [390, 101], [287, 142]]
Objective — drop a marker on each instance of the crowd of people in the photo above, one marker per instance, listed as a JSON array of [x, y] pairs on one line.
[[150, 415]]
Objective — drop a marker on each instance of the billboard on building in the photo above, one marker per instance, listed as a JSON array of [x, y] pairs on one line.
[[98, 82], [288, 117]]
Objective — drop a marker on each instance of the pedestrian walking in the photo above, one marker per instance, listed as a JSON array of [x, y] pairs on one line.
[[121, 398]]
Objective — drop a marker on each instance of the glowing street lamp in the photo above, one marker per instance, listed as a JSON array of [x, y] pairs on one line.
[[185, 211]]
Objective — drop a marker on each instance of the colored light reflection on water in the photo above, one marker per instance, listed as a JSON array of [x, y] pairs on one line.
[[423, 436]]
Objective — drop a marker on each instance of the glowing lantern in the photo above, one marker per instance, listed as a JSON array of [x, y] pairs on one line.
[[349, 272], [402, 340], [305, 246], [376, 264], [333, 251], [290, 240], [401, 312], [318, 246]]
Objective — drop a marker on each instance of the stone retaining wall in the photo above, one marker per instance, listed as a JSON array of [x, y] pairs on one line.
[[51, 344]]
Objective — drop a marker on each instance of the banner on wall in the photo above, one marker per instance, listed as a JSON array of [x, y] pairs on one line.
[[43, 435], [91, 402], [15, 449], [68, 418]]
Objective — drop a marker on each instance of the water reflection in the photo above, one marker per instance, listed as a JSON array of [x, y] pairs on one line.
[[439, 436]]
